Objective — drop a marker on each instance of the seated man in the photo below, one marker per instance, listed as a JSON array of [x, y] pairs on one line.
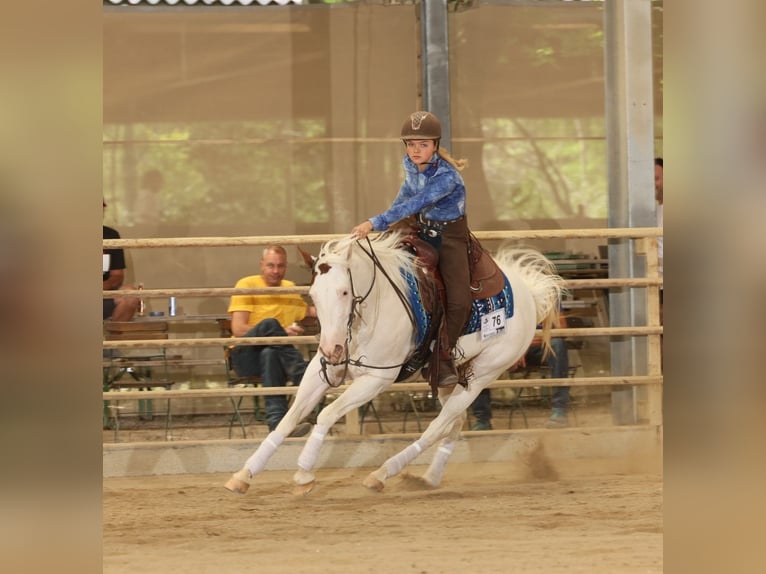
[[120, 308], [270, 316], [558, 362]]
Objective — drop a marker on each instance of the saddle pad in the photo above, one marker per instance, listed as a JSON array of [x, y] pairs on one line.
[[484, 306], [422, 319]]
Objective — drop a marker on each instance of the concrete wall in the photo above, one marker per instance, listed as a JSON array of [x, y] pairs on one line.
[[545, 453]]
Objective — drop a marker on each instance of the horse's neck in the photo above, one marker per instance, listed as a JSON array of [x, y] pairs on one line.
[[384, 325]]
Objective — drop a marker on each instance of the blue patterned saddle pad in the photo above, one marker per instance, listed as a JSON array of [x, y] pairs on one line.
[[484, 306], [422, 319], [480, 307]]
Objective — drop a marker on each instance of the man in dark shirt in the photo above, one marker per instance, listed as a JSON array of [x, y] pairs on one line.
[[120, 308]]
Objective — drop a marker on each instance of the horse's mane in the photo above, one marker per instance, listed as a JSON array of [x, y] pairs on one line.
[[386, 248]]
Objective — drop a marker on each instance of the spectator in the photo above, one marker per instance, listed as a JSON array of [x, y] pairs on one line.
[[658, 173], [558, 363], [120, 308], [270, 316]]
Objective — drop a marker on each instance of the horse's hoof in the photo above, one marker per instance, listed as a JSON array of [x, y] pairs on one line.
[[373, 483], [429, 482], [239, 482], [303, 489]]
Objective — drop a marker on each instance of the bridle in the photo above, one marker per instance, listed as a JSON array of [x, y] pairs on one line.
[[356, 303]]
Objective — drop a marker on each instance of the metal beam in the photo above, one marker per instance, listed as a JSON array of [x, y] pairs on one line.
[[435, 64], [630, 174]]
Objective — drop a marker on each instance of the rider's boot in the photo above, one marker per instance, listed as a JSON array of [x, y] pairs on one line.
[[447, 374]]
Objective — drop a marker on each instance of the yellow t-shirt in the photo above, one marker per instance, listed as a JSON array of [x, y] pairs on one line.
[[286, 309]]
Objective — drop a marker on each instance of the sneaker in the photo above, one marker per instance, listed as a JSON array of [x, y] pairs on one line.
[[301, 430], [558, 419], [481, 425]]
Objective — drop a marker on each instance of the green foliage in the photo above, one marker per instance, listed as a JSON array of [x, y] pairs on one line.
[[219, 172], [547, 168], [261, 172]]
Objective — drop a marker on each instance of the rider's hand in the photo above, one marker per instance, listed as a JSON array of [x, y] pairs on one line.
[[362, 229]]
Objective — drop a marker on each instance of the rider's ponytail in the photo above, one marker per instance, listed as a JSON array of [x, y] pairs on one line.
[[458, 164]]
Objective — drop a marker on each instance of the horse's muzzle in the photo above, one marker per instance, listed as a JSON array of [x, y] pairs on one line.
[[336, 357]]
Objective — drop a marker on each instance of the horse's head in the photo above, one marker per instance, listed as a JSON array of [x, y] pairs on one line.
[[333, 295], [360, 293]]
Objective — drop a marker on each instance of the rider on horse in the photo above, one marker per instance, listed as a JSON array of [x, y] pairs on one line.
[[433, 190]]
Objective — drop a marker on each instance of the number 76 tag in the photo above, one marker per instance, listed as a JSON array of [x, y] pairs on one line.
[[493, 324]]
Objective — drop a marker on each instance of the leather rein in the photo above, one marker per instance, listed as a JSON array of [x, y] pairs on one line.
[[356, 303]]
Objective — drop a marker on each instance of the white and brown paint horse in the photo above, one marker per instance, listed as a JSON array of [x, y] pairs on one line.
[[367, 333]]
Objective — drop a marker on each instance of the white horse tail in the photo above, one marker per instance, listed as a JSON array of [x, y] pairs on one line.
[[540, 277]]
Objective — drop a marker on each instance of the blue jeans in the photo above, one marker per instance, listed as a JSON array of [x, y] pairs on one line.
[[275, 364], [482, 408], [558, 362]]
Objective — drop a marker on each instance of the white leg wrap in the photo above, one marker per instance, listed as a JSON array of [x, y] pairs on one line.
[[436, 469], [310, 452], [257, 462], [396, 463]]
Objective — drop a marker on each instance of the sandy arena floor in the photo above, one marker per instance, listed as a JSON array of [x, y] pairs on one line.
[[482, 519]]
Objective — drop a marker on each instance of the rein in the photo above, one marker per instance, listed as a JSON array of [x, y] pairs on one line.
[[355, 311]]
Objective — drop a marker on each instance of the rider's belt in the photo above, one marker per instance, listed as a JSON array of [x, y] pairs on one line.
[[433, 228]]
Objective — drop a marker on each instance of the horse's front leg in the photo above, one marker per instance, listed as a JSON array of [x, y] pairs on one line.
[[311, 390], [363, 390]]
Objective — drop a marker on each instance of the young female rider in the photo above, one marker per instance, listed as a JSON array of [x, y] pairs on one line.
[[433, 190]]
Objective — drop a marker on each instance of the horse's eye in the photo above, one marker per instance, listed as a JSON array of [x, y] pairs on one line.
[[345, 293]]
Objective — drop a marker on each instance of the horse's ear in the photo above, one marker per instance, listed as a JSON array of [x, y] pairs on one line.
[[308, 259]]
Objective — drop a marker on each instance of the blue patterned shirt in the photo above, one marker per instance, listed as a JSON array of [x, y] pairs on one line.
[[438, 193]]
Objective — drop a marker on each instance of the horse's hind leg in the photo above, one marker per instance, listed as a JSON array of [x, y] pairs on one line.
[[447, 423], [491, 365], [433, 476]]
